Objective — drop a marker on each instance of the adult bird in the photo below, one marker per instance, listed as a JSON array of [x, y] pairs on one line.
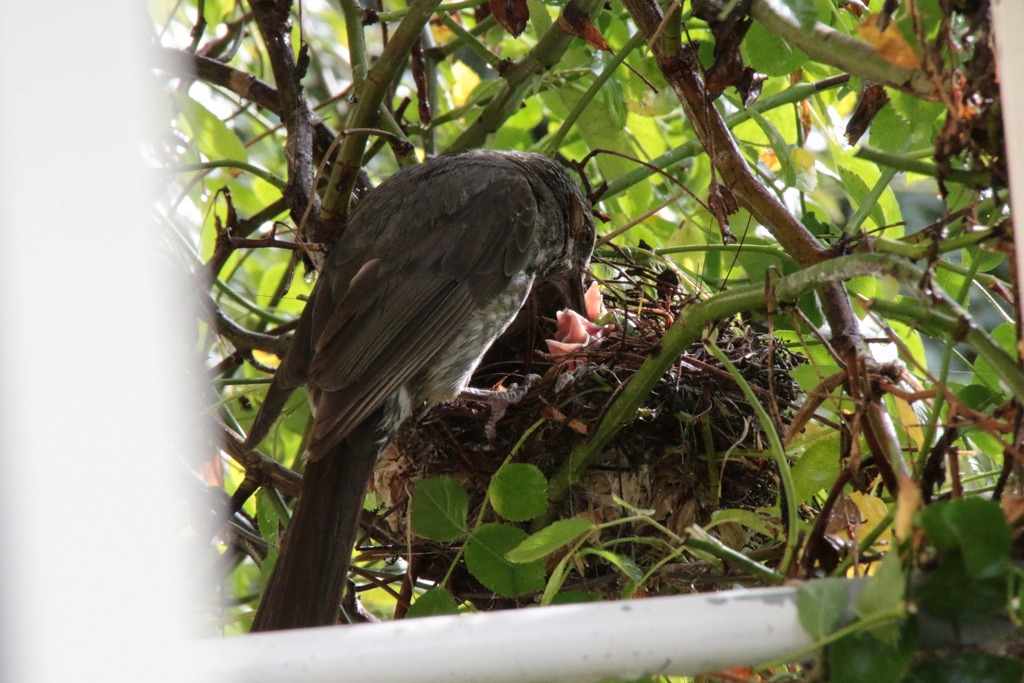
[[433, 266]]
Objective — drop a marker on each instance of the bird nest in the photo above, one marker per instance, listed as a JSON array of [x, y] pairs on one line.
[[694, 448]]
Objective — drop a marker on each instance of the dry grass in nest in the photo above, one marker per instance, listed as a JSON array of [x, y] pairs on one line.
[[695, 447]]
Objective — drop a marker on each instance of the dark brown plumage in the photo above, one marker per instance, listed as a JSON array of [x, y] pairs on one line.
[[434, 265]]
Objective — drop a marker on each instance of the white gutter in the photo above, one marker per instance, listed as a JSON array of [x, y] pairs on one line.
[[683, 635]]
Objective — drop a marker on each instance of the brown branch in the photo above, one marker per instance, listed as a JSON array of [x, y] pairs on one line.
[[273, 19], [682, 72], [240, 337], [263, 470], [244, 85]]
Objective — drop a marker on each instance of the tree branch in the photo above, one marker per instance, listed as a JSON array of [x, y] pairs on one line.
[[273, 19], [829, 46], [369, 96], [519, 78]]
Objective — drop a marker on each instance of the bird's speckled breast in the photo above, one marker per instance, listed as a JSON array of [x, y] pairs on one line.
[[454, 365]]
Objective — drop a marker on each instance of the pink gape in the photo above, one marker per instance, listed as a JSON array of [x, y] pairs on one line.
[[576, 332]]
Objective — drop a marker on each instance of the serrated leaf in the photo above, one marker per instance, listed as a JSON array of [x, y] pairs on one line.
[[821, 605], [439, 508], [518, 492], [549, 539], [485, 554], [435, 602], [890, 131], [860, 192]]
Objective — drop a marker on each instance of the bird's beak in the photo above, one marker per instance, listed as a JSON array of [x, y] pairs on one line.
[[573, 291]]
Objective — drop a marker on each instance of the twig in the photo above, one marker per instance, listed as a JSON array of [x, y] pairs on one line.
[[272, 18], [369, 96], [266, 471], [829, 46], [519, 78]]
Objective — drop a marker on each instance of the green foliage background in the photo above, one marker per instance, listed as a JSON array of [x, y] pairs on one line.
[[925, 269]]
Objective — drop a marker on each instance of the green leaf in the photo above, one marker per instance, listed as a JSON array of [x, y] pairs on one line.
[[859, 657], [214, 139], [859, 192], [979, 397], [821, 605], [816, 469], [1006, 337], [883, 593], [769, 54], [779, 146], [624, 564], [439, 508], [435, 602], [890, 131], [518, 492], [948, 592], [977, 528], [747, 518], [987, 259], [804, 13], [975, 667], [549, 539], [486, 549]]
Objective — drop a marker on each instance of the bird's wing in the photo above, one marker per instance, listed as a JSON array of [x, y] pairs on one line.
[[388, 304]]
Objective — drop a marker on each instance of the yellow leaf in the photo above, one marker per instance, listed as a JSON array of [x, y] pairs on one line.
[[911, 423], [872, 510], [804, 159], [465, 81], [265, 358], [770, 160], [889, 43], [908, 501]]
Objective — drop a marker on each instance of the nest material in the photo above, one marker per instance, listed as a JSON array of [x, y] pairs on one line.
[[669, 460]]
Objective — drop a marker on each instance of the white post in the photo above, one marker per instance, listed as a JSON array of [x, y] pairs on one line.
[[682, 635], [1007, 23], [90, 391]]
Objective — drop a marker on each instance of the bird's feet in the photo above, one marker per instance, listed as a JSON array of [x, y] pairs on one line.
[[499, 401]]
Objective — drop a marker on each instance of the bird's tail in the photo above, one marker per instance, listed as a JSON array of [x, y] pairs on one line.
[[306, 584]]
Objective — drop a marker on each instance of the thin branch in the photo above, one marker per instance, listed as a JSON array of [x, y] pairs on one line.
[[240, 337], [369, 96], [266, 471], [241, 83], [520, 77], [829, 46], [273, 19]]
